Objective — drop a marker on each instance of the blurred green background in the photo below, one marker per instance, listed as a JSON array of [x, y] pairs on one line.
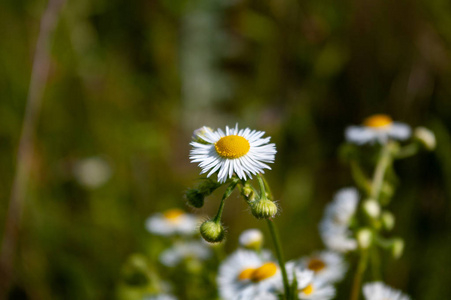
[[131, 80]]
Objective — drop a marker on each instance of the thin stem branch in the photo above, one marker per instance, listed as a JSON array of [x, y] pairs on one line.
[[40, 70], [355, 292], [379, 173], [279, 254]]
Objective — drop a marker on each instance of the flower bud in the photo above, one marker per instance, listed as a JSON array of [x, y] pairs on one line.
[[248, 192], [426, 137], [371, 208], [263, 208], [212, 232], [388, 220], [251, 239], [195, 198], [199, 133], [397, 247], [364, 237]]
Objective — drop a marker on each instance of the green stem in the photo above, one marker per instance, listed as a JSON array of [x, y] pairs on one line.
[[280, 259], [265, 183], [407, 151], [375, 263], [359, 177], [379, 173], [355, 292], [227, 193]]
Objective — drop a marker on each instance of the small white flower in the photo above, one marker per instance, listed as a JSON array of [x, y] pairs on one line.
[[172, 221], [245, 274], [180, 251], [92, 172], [242, 152], [251, 239], [328, 266], [308, 286], [343, 206], [159, 297], [379, 291], [377, 128], [334, 228], [337, 237]]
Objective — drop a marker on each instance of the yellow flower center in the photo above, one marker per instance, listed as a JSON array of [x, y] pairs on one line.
[[173, 214], [263, 272], [378, 121], [232, 146], [246, 274], [316, 264], [308, 290], [266, 271]]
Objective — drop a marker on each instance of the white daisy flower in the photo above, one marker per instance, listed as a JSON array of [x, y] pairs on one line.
[[377, 128], [328, 266], [379, 291], [172, 221], [309, 287], [337, 237], [251, 239], [334, 225], [343, 206], [180, 251], [242, 152], [245, 274]]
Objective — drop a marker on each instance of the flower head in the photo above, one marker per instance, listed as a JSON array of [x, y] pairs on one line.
[[308, 285], [187, 250], [251, 239], [242, 152], [377, 128], [328, 266], [245, 274], [172, 221], [379, 291], [334, 227]]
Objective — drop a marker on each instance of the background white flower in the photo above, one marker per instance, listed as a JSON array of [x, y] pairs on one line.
[[251, 238], [242, 152], [377, 128], [180, 251], [172, 221], [328, 266], [379, 291], [245, 274], [334, 226]]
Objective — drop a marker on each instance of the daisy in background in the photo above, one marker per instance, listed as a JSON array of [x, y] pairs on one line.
[[171, 222], [179, 252], [242, 152], [377, 128], [379, 291], [251, 239], [334, 226], [328, 266], [308, 285], [245, 275]]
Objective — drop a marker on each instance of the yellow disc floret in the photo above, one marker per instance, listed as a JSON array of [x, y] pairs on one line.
[[316, 264], [173, 214], [246, 274], [378, 121], [308, 290], [232, 146], [266, 271]]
